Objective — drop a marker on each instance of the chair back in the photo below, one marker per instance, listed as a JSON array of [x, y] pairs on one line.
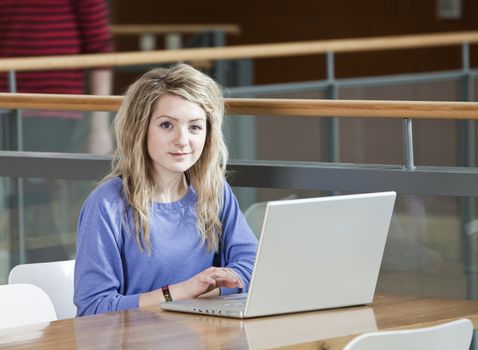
[[24, 304], [454, 335], [255, 217], [55, 278], [255, 213]]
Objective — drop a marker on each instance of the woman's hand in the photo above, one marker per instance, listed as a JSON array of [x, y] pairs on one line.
[[206, 281], [199, 285]]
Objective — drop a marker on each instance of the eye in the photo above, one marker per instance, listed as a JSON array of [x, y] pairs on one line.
[[195, 127], [166, 125]]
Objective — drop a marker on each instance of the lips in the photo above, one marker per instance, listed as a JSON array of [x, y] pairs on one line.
[[179, 154]]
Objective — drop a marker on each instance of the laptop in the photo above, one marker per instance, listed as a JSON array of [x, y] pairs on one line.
[[313, 254]]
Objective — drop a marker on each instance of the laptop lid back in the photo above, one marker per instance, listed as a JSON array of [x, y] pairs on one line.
[[319, 253]]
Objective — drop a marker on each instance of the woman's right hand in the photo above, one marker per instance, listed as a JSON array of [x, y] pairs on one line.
[[206, 281]]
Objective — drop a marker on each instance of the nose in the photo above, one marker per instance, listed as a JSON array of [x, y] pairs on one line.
[[181, 137]]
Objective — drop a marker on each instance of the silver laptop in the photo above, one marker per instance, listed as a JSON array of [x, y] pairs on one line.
[[313, 254]]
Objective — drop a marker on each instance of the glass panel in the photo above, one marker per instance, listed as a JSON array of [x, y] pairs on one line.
[[276, 138], [426, 253], [362, 140], [58, 131], [38, 220], [373, 141], [378, 142], [291, 138], [424, 91]]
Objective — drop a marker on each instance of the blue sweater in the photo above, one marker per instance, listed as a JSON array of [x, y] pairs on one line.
[[111, 271]]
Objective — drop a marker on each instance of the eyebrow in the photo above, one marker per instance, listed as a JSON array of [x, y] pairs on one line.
[[175, 119]]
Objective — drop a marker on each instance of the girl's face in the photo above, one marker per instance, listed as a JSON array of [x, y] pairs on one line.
[[176, 135]]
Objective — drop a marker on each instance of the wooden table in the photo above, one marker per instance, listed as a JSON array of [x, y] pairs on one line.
[[151, 328]]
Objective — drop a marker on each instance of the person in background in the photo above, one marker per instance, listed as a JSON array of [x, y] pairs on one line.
[[164, 224], [44, 28], [58, 27]]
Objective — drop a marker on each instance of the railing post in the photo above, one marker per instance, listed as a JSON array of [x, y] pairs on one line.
[[467, 88], [173, 41], [408, 160], [333, 137], [16, 128], [220, 66], [467, 152]]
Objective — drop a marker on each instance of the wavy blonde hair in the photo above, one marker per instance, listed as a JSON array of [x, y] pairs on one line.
[[133, 164]]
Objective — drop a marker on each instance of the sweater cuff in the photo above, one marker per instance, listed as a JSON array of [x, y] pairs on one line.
[[128, 302], [226, 291]]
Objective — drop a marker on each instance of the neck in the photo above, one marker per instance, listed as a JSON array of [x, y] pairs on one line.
[[170, 188]]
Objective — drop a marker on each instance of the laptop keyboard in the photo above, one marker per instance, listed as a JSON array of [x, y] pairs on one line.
[[235, 300], [242, 296], [236, 304]]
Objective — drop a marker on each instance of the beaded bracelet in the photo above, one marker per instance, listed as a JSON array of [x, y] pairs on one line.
[[166, 293]]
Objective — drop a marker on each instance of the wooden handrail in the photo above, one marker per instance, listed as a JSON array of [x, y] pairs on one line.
[[60, 102], [237, 52], [273, 107], [135, 29]]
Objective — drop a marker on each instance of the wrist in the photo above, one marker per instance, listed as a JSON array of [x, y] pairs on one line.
[[179, 291], [176, 291]]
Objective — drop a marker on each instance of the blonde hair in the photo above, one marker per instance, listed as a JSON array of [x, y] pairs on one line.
[[133, 164]]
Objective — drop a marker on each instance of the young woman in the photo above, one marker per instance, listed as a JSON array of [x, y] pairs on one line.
[[164, 224]]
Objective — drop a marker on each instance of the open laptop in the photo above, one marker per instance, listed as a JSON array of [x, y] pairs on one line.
[[313, 254]]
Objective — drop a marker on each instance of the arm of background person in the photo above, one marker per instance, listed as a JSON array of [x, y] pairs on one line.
[[100, 139], [95, 36]]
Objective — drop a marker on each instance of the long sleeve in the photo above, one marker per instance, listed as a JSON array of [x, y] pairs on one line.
[[99, 276], [92, 19], [239, 244]]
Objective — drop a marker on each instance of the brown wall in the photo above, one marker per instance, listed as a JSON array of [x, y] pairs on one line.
[[281, 21]]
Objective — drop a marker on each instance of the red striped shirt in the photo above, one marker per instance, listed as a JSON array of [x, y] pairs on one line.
[[52, 27]]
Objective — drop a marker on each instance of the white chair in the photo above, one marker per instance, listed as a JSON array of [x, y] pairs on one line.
[[24, 304], [255, 217], [255, 213], [454, 335], [55, 278]]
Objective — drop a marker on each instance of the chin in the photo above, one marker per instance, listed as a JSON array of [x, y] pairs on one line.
[[180, 169]]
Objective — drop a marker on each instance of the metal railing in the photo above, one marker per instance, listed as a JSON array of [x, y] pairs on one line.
[[404, 178]]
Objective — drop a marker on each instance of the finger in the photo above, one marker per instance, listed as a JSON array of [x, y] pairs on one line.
[[222, 276], [227, 279], [225, 273], [220, 283], [235, 274], [207, 280]]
